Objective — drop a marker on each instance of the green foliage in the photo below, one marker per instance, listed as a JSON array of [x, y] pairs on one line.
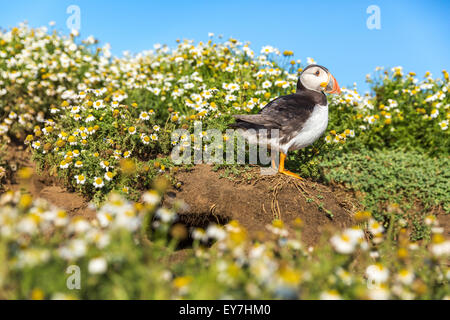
[[410, 179]]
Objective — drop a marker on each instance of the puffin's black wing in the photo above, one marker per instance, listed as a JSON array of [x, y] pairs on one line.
[[286, 113], [256, 121], [286, 108]]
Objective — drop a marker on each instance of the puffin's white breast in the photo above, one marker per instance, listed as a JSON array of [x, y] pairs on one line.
[[313, 128]]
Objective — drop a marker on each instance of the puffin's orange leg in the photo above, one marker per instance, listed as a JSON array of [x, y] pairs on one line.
[[282, 170]]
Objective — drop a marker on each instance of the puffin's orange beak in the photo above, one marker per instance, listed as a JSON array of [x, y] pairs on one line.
[[332, 86]]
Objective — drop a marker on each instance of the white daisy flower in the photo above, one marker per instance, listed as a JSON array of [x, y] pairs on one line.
[[343, 243], [165, 215], [98, 104], [64, 164], [266, 84], [109, 176], [105, 164], [151, 197], [230, 97], [375, 227], [132, 130], [36, 145], [97, 266], [127, 154], [405, 276], [310, 60], [98, 182], [144, 115], [145, 139], [377, 273], [81, 179]]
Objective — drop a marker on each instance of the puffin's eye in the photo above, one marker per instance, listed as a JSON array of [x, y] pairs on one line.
[[317, 72]]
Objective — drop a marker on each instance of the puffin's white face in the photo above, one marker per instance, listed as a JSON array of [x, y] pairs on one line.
[[317, 79]]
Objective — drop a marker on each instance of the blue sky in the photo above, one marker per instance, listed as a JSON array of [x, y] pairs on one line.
[[413, 34]]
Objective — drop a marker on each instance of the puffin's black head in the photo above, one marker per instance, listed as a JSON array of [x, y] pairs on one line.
[[317, 78]]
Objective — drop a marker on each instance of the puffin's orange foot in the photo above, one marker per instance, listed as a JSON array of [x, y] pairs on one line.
[[291, 174]]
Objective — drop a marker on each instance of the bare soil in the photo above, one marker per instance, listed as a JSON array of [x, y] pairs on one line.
[[255, 200], [44, 186]]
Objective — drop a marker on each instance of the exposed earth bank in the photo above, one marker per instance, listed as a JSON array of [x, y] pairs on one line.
[[255, 200]]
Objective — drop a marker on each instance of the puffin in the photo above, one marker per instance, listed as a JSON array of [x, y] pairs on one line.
[[300, 118]]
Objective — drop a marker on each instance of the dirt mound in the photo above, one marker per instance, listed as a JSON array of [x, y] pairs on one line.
[[43, 186], [255, 200]]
